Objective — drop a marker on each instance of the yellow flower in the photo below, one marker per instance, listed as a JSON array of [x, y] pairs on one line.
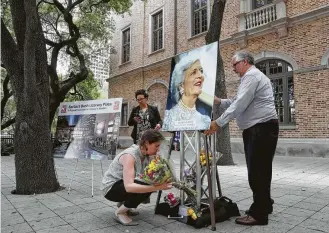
[[194, 216]]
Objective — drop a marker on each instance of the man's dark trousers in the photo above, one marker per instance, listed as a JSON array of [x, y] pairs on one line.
[[260, 143]]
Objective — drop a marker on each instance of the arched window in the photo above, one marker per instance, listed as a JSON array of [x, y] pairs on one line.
[[281, 75]]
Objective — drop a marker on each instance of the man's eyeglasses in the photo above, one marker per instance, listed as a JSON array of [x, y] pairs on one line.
[[234, 65], [138, 100]]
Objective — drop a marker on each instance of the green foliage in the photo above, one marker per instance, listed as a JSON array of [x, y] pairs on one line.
[[87, 90]]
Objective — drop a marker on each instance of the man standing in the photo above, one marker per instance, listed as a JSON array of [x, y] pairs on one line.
[[254, 110]]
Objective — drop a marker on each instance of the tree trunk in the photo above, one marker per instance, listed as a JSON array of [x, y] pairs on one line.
[[223, 142], [27, 65]]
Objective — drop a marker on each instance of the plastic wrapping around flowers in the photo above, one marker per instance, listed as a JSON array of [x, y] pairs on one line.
[[158, 171]]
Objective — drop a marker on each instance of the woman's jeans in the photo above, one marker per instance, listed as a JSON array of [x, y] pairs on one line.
[[118, 193], [260, 143]]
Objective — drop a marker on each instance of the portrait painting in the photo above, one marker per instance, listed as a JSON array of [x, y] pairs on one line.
[[191, 90]]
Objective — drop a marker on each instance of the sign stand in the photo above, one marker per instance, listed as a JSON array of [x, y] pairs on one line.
[[92, 176], [210, 170]]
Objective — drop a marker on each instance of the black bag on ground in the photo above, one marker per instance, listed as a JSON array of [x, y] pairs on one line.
[[224, 209]]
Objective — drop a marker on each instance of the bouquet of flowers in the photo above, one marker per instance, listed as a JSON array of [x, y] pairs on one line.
[[158, 171]]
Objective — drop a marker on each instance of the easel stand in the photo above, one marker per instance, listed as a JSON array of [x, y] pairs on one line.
[[206, 192], [92, 176]]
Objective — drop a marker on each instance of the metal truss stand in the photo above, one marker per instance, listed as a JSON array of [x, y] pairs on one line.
[[206, 192], [92, 176]]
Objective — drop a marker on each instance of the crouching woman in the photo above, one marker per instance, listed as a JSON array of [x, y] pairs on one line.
[[119, 184]]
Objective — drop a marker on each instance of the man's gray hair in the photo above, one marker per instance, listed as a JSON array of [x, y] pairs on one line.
[[243, 55], [177, 78]]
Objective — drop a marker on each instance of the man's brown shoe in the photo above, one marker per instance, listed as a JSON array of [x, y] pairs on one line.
[[250, 221]]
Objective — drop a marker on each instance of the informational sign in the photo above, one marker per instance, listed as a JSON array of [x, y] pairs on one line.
[[191, 90], [88, 129]]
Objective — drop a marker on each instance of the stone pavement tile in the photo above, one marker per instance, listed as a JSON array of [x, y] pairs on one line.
[[106, 214], [317, 199], [309, 206], [57, 204], [277, 208], [141, 227], [272, 227], [23, 206], [47, 223], [68, 210], [321, 216], [17, 228], [18, 199], [90, 224], [59, 229], [314, 224], [11, 218], [179, 227], [298, 229], [85, 200], [46, 196], [158, 220], [111, 229], [287, 218], [157, 230], [298, 212], [289, 200], [229, 226], [37, 214], [92, 206], [77, 217], [7, 207], [278, 192], [325, 209]]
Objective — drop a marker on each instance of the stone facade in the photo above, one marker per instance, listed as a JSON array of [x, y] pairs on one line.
[[300, 37]]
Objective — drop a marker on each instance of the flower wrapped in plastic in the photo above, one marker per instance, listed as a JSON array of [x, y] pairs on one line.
[[158, 171]]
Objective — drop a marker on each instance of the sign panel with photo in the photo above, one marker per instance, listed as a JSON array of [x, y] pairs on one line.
[[191, 90], [88, 129]]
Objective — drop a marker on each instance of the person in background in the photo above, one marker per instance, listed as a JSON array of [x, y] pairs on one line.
[[119, 184], [143, 116], [254, 110]]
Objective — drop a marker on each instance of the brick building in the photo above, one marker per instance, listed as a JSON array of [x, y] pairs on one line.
[[289, 38]]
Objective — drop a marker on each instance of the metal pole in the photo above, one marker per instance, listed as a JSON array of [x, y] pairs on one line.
[[182, 159], [68, 192], [211, 199], [101, 169], [214, 165], [92, 178], [198, 168]]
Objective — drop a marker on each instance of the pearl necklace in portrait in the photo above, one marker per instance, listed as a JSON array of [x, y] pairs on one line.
[[186, 112]]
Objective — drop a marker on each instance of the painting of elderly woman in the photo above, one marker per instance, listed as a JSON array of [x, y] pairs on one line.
[[191, 90]]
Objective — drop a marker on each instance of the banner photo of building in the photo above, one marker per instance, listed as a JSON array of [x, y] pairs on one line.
[[191, 90], [88, 129]]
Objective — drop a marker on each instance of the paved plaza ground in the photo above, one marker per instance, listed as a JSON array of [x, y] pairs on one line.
[[300, 189]]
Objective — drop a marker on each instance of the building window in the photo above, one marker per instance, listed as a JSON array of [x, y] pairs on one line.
[[157, 31], [281, 76], [124, 114], [126, 45], [199, 16], [261, 3]]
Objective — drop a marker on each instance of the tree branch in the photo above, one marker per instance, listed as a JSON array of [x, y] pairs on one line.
[[18, 16], [7, 123], [77, 93], [72, 5], [6, 95], [9, 53]]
